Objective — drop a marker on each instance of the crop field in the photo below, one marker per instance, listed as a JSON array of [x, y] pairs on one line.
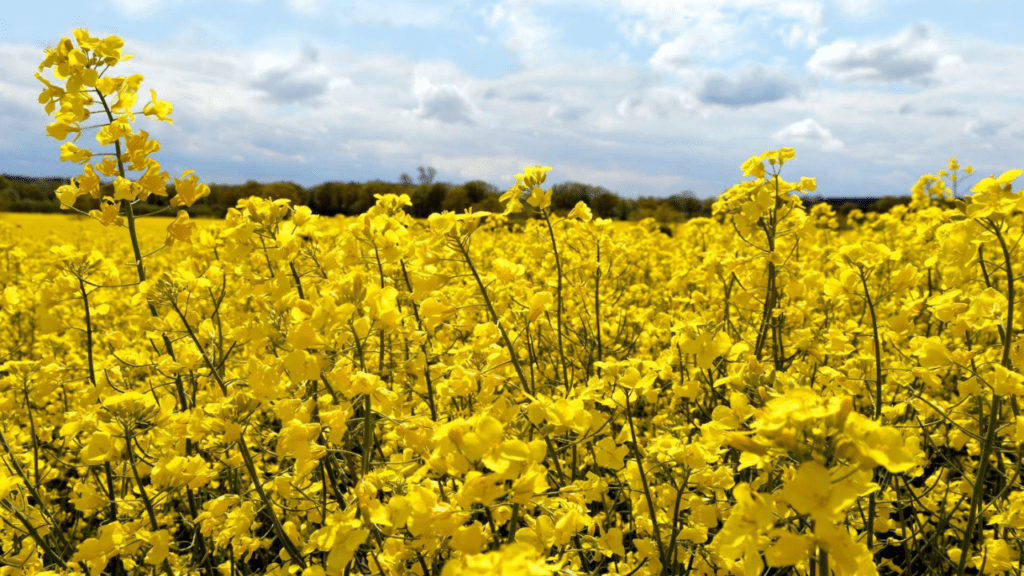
[[759, 392]]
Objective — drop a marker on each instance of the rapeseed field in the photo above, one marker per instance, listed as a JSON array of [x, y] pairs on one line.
[[277, 393]]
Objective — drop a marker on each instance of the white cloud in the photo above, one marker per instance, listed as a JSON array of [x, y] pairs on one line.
[[623, 181], [911, 56], [499, 170], [384, 149], [300, 80], [660, 16], [982, 128], [445, 103], [717, 28], [673, 55], [806, 23], [658, 103], [525, 33], [697, 38], [808, 131], [756, 85], [567, 112], [20, 114]]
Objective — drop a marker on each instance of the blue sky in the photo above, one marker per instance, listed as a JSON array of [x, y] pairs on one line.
[[643, 97]]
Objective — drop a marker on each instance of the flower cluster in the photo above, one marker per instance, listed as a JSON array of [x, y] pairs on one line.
[[83, 65]]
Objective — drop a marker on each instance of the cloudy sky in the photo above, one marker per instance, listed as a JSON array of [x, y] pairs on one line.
[[644, 97]]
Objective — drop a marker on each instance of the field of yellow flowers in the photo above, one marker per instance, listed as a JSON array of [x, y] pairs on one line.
[[277, 393]]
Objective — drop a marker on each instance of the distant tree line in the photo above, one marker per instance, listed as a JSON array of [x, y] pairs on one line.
[[29, 194]]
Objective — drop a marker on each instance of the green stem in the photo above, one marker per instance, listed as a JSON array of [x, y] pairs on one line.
[[33, 491], [872, 498], [766, 313], [144, 494], [558, 298], [258, 485], [494, 317], [129, 213], [878, 347], [32, 430], [647, 488], [993, 421], [1010, 296], [367, 434], [88, 332], [298, 281], [423, 348], [247, 458], [36, 536], [770, 297], [597, 303], [141, 272]]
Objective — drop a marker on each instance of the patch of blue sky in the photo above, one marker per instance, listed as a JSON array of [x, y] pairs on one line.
[[993, 20], [586, 31]]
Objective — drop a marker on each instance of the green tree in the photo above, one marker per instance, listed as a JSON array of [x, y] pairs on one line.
[[427, 175]]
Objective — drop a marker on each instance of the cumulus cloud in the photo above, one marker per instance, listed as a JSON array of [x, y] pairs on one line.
[[912, 56], [698, 37], [445, 103], [946, 111], [567, 112], [753, 86], [525, 33], [622, 180], [305, 80], [982, 128], [808, 131], [686, 32], [527, 96], [288, 86], [673, 55], [940, 111], [382, 148], [660, 103], [500, 170], [805, 20]]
